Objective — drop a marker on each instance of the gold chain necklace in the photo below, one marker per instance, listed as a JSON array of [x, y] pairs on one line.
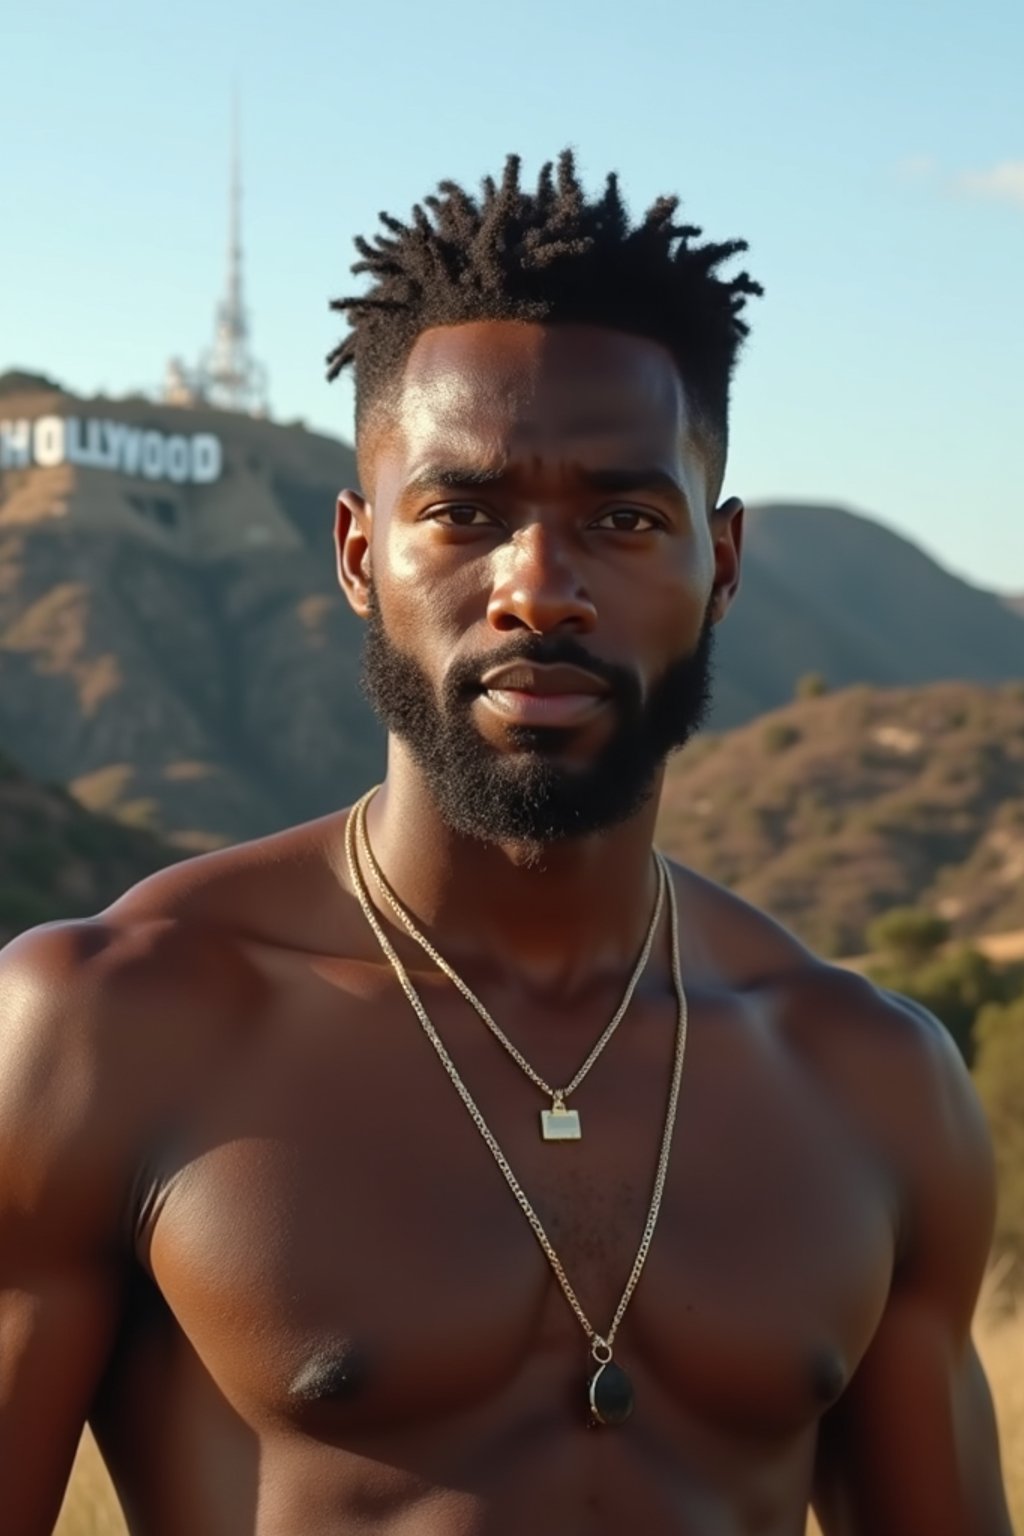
[[559, 1123], [609, 1390]]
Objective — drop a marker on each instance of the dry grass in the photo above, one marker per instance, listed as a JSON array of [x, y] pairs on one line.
[[1001, 1345], [90, 1508]]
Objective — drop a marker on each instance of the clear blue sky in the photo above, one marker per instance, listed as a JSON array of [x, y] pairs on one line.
[[872, 154]]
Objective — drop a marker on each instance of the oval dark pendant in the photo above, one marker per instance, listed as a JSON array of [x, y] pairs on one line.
[[611, 1395]]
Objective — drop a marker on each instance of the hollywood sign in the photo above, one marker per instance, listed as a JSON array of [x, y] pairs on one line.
[[93, 443]]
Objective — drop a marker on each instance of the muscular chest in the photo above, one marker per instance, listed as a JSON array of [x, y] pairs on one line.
[[341, 1249]]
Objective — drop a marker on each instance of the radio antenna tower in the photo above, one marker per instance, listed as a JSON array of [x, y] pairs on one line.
[[230, 377]]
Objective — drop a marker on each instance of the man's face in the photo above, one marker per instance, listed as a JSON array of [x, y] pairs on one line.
[[539, 573]]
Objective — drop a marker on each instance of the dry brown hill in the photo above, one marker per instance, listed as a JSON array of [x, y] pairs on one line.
[[178, 652], [828, 591], [834, 809], [57, 860]]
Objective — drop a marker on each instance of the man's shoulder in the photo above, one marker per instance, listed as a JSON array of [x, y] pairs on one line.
[[884, 1062], [99, 1016], [891, 1072], [733, 944], [165, 942], [174, 967], [248, 889], [745, 949], [104, 1019], [111, 1026]]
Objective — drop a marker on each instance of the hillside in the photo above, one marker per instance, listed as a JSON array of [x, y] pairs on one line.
[[57, 860], [173, 645], [178, 652], [825, 590], [831, 810]]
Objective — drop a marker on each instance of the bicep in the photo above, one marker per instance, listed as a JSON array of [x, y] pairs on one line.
[[57, 1324], [912, 1446], [61, 1249]]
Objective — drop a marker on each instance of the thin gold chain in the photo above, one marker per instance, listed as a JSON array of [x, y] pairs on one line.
[[557, 1095], [602, 1341]]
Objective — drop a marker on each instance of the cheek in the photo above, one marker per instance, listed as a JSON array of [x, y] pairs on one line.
[[427, 584], [395, 562], [662, 616], [683, 604]]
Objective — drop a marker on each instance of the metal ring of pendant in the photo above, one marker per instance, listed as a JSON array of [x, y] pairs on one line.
[[600, 1351]]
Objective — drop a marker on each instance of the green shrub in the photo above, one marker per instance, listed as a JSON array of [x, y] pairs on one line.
[[956, 987], [778, 735], [811, 686], [907, 935]]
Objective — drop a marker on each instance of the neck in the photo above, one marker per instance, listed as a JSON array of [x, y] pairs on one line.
[[558, 913]]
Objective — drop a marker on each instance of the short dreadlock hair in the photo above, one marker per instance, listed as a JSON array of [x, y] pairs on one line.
[[549, 255]]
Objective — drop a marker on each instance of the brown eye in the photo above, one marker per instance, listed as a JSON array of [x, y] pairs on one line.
[[462, 516], [628, 520]]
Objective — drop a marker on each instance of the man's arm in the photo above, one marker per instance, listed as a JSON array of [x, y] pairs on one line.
[[911, 1447], [60, 1215]]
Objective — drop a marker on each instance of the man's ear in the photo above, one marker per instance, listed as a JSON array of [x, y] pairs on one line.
[[727, 542], [352, 523]]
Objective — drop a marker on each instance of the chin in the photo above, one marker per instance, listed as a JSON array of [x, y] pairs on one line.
[[575, 749]]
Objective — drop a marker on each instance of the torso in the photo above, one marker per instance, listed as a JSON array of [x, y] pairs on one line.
[[341, 1321]]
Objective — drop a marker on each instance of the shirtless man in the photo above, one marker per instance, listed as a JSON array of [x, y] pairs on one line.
[[249, 1227]]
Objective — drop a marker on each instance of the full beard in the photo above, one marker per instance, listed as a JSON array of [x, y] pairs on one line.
[[529, 795]]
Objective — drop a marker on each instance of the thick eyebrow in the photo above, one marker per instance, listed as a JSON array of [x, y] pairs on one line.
[[452, 477], [436, 477], [625, 480]]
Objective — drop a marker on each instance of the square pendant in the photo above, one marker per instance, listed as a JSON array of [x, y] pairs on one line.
[[560, 1125]]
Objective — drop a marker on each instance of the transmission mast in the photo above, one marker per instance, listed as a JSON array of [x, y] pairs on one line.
[[230, 377]]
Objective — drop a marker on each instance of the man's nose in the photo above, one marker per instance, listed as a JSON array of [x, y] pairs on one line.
[[539, 585]]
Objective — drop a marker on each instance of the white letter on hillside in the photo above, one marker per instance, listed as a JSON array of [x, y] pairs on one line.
[[15, 444], [152, 455], [75, 451], [131, 448], [115, 433], [207, 458], [177, 458], [98, 455], [48, 441]]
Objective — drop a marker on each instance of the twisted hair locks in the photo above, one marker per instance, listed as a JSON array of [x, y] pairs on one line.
[[548, 255]]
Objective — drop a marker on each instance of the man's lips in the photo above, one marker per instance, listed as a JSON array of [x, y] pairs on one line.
[[531, 693], [543, 678]]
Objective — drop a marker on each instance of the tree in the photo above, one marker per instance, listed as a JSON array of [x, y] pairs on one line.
[[955, 987], [811, 686], [778, 735], [907, 936]]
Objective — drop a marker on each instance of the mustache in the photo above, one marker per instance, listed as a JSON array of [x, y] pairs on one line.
[[464, 676]]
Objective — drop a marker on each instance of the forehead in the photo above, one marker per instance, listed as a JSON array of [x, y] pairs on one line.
[[503, 390]]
